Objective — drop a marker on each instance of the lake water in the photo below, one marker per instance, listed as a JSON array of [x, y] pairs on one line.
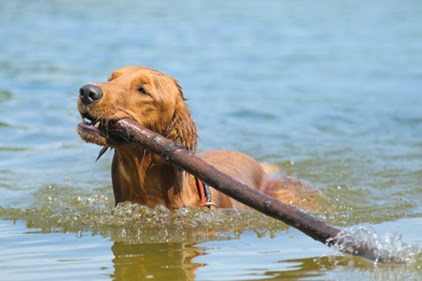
[[327, 90]]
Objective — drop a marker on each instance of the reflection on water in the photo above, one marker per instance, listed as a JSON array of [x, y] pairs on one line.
[[328, 90], [179, 261], [247, 256], [159, 261], [159, 244]]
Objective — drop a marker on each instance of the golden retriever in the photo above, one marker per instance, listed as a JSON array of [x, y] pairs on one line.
[[155, 100]]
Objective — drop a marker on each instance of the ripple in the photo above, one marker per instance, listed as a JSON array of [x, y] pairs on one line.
[[4, 124], [5, 95], [251, 114], [13, 148]]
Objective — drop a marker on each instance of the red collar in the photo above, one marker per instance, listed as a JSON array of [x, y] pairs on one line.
[[204, 194]]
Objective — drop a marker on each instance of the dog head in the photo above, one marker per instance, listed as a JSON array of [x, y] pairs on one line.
[[151, 98]]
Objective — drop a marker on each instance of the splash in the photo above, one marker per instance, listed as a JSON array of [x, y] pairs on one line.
[[389, 248], [61, 209]]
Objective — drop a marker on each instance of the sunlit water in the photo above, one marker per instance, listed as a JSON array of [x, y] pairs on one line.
[[328, 91]]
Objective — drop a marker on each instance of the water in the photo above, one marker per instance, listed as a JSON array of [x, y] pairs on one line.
[[328, 91]]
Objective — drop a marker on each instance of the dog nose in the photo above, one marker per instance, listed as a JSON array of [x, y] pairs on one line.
[[88, 94]]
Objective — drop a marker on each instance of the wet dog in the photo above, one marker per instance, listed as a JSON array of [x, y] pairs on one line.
[[155, 100]]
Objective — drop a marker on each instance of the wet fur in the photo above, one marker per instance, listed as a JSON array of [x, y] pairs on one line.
[[156, 101]]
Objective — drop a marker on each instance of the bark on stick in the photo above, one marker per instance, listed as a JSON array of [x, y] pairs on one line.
[[131, 131]]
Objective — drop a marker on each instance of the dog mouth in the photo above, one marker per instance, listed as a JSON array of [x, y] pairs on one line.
[[99, 131], [94, 130], [91, 122]]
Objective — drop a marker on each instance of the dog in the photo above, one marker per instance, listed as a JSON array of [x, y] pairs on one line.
[[156, 101]]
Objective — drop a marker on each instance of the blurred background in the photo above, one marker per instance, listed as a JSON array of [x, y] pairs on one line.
[[327, 90]]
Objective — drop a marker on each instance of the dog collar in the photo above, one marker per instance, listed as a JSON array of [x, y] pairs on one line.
[[204, 194]]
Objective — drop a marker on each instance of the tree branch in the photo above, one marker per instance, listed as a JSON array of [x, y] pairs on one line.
[[291, 215]]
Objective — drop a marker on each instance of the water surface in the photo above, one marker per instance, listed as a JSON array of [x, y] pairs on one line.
[[328, 91]]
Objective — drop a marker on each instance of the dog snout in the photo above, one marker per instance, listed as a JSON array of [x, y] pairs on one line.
[[89, 94]]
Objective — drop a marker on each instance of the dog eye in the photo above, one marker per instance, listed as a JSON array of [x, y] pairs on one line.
[[141, 90]]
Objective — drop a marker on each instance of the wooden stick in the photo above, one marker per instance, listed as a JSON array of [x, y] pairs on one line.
[[131, 131]]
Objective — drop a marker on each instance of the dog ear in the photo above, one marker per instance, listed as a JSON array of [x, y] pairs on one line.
[[182, 129]]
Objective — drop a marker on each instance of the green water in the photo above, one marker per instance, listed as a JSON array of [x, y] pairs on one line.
[[327, 90]]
